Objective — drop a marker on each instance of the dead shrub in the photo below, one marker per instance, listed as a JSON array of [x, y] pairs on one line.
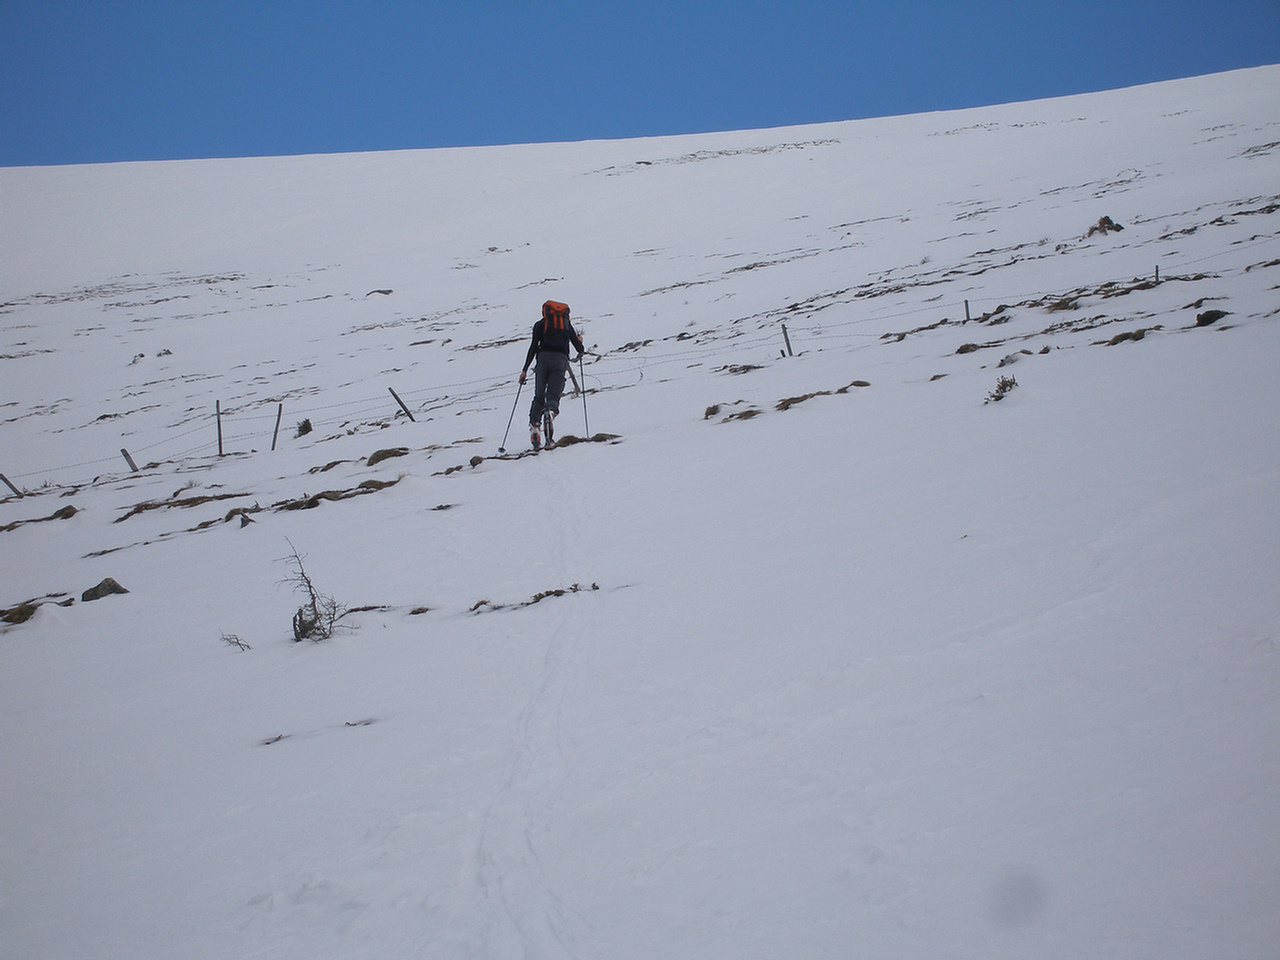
[[1003, 386], [1104, 226], [317, 618]]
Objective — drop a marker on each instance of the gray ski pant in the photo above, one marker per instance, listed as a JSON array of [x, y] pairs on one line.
[[548, 381]]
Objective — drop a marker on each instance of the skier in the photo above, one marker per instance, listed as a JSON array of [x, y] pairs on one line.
[[552, 336]]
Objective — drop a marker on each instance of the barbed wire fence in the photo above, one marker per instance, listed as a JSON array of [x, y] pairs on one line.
[[624, 366]]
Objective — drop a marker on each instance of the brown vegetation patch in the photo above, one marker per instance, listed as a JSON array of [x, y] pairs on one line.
[[24, 611], [66, 513], [994, 317], [308, 502], [790, 402], [568, 440], [1130, 335], [899, 337], [176, 501], [19, 613], [485, 606], [494, 343], [379, 455], [633, 345]]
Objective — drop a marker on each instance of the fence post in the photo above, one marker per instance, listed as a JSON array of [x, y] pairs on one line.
[[279, 414], [11, 486], [1157, 273], [129, 460], [218, 410], [966, 311], [787, 340], [402, 406]]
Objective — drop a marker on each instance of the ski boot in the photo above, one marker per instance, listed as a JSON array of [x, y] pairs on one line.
[[548, 428], [535, 438]]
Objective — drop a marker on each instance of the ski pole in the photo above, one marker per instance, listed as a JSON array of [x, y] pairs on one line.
[[585, 422], [503, 447]]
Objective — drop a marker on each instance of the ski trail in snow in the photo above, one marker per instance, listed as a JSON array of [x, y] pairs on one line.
[[531, 919]]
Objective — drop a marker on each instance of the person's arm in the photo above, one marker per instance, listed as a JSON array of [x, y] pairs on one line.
[[576, 340], [533, 349]]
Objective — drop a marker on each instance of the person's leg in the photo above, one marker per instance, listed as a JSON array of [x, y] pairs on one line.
[[539, 391], [557, 366]]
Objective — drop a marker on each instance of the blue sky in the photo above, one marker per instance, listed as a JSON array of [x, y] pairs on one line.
[[93, 81]]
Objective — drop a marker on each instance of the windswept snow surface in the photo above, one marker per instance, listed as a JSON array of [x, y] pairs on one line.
[[780, 665]]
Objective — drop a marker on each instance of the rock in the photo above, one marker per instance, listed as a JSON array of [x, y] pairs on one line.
[[105, 588], [1209, 316]]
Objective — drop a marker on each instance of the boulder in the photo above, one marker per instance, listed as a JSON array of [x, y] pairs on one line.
[[105, 588]]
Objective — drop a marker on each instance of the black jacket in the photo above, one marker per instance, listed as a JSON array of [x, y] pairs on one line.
[[554, 341]]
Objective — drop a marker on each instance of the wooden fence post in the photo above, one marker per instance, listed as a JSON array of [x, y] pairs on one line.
[[218, 410], [129, 460], [402, 406], [11, 486], [279, 414], [966, 311], [786, 339]]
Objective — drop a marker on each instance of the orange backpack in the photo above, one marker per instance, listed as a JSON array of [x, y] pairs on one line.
[[556, 315]]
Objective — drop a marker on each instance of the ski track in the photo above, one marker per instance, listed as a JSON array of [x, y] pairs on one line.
[[529, 917]]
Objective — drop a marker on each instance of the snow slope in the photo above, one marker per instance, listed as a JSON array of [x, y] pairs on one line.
[[812, 656]]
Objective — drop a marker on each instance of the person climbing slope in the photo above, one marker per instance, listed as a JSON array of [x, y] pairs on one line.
[[552, 337]]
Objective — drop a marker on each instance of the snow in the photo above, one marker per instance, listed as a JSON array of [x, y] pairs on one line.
[[892, 672]]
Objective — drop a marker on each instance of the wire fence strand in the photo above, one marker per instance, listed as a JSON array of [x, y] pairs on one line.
[[622, 364]]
